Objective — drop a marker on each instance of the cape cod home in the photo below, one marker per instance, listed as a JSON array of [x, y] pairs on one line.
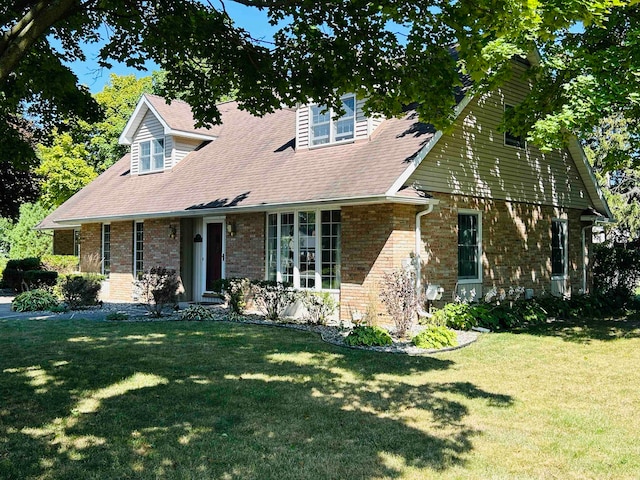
[[333, 204]]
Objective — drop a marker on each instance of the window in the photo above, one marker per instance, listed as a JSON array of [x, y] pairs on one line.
[[152, 155], [76, 242], [559, 251], [303, 248], [511, 139], [469, 245], [326, 129], [106, 249], [138, 250]]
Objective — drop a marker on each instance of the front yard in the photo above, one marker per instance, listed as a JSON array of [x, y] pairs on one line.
[[88, 399]]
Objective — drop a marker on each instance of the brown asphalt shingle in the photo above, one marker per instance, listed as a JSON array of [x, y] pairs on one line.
[[252, 163]]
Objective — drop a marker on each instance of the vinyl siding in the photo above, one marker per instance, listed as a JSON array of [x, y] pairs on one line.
[[473, 160], [182, 146], [150, 128], [363, 129]]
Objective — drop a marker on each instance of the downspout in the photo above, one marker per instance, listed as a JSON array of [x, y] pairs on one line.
[[585, 258], [419, 216]]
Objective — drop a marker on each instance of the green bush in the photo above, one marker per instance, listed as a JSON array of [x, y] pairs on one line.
[[33, 301], [237, 291], [81, 290], [63, 264], [320, 306], [273, 298], [365, 335], [197, 313], [27, 274], [435, 337], [159, 287], [456, 315], [220, 286], [116, 316], [494, 316]]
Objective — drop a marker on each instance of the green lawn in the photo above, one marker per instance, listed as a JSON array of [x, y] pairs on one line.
[[81, 399]]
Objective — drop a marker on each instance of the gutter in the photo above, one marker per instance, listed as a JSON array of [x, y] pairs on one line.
[[219, 211]]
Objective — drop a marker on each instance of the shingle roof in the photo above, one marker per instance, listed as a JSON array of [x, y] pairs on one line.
[[252, 163]]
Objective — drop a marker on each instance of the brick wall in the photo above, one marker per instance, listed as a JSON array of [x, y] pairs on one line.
[[90, 247], [245, 250], [516, 244], [159, 248], [63, 242]]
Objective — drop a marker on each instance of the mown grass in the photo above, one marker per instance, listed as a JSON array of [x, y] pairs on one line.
[[186, 400]]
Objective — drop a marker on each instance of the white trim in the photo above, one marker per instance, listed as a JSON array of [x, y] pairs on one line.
[[417, 160], [135, 247], [478, 213], [565, 250], [323, 204], [332, 123], [153, 142], [102, 249], [223, 262]]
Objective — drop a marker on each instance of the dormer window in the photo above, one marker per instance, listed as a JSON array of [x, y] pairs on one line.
[[326, 129], [152, 155]]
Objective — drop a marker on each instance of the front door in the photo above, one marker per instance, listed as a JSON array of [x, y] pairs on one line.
[[214, 254]]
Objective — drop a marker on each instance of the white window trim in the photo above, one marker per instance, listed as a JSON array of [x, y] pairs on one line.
[[76, 242], [151, 144], [565, 274], [478, 213], [504, 135], [135, 247], [102, 249], [296, 256], [223, 267], [332, 122]]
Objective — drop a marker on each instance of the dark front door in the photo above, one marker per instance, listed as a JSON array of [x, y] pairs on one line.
[[214, 254]]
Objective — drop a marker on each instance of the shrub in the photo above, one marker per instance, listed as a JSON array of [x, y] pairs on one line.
[[159, 287], [320, 306], [399, 295], [34, 300], [236, 293], [26, 274], [81, 290], [456, 315], [272, 298], [116, 316], [365, 335], [221, 285], [616, 272], [63, 264], [435, 337], [197, 313]]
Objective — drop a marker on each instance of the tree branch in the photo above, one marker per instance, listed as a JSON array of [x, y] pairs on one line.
[[17, 41]]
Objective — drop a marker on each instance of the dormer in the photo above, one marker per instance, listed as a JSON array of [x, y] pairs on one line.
[[317, 126], [160, 135]]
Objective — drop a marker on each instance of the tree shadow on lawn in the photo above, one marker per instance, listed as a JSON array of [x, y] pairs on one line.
[[243, 402], [586, 330]]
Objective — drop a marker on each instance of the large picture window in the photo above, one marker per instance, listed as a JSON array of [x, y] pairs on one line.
[[152, 155], [106, 249], [326, 129], [469, 245], [559, 239], [303, 248]]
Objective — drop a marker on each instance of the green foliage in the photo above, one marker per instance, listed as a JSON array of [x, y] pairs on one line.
[[34, 301], [60, 308], [435, 337], [236, 293], [159, 287], [117, 317], [26, 274], [273, 298], [24, 240], [370, 336], [63, 169], [197, 313], [320, 306], [398, 294], [81, 290], [616, 272], [63, 264], [456, 315], [221, 285]]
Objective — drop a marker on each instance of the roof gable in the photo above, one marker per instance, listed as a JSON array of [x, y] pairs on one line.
[[176, 120]]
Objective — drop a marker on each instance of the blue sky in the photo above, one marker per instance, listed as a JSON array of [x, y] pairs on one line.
[[89, 74]]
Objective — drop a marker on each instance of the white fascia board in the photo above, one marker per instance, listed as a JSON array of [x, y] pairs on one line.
[[192, 135], [417, 160], [126, 137], [588, 178], [203, 212]]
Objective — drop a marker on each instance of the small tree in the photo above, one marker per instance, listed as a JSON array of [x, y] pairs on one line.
[[159, 287], [399, 295]]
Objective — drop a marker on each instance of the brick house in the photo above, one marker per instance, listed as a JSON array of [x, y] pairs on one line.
[[333, 203]]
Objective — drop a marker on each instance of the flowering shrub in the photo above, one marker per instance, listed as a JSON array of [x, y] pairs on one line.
[[320, 306], [236, 293], [273, 298]]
